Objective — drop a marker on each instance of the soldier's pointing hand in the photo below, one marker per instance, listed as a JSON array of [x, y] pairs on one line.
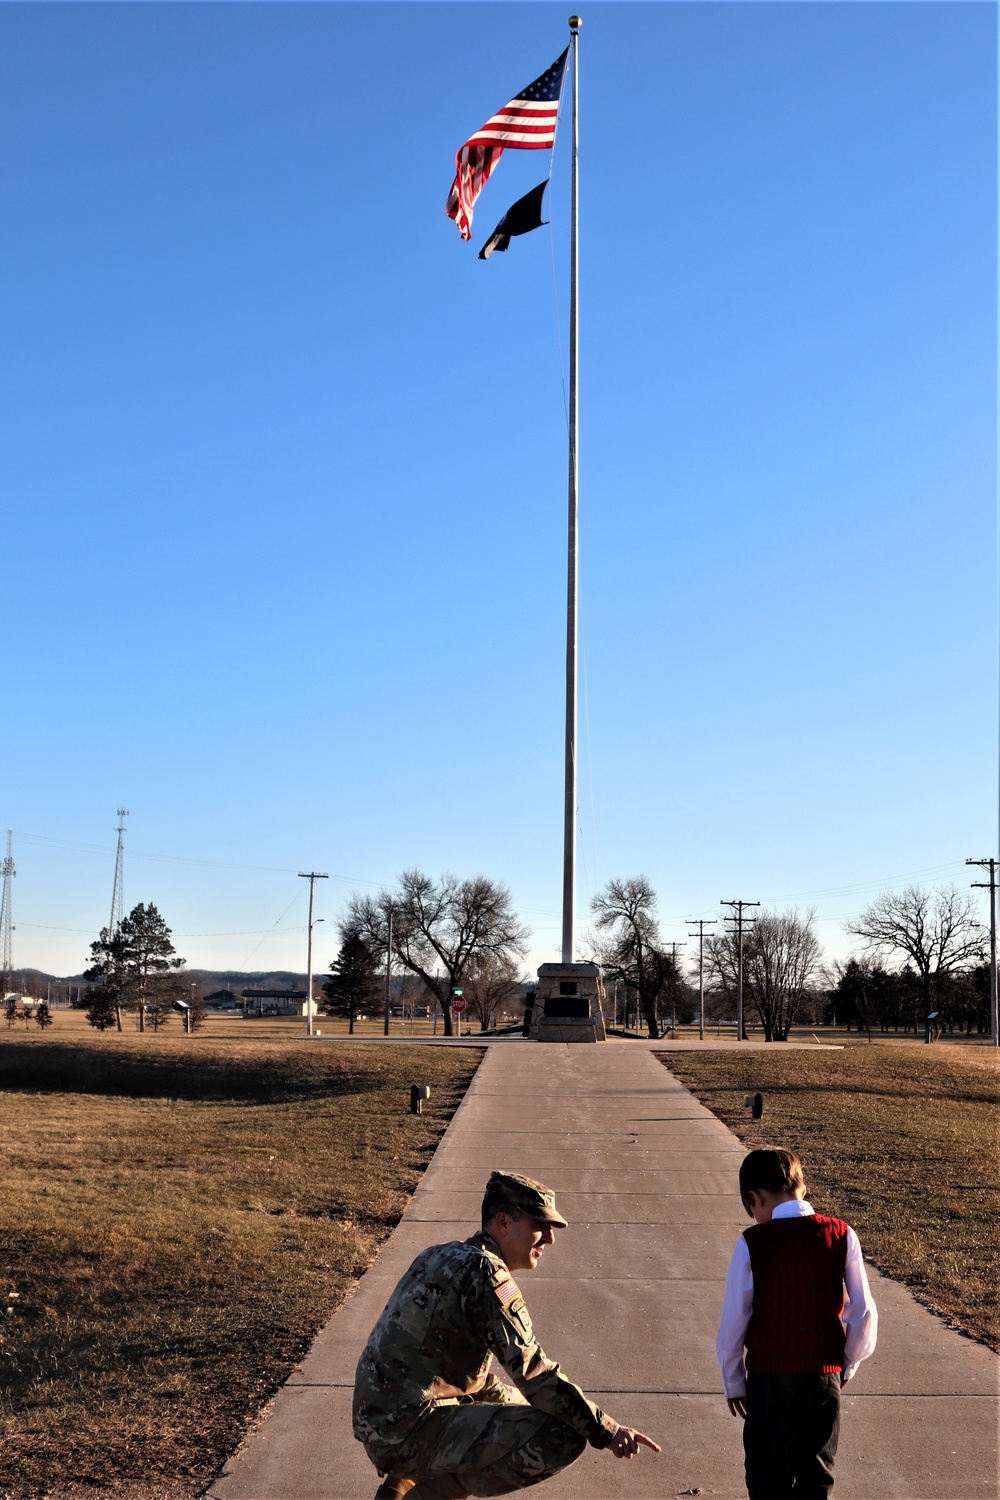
[[626, 1441]]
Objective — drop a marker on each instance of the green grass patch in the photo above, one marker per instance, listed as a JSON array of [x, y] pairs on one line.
[[900, 1140], [178, 1220]]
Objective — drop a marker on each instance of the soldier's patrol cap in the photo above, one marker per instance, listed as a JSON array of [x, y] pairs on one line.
[[511, 1190]]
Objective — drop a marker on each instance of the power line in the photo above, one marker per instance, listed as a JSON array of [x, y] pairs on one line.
[[271, 929]]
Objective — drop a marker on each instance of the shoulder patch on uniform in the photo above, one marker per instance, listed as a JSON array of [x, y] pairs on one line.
[[507, 1291]]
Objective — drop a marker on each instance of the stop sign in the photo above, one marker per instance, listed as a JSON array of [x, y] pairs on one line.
[[458, 1003]]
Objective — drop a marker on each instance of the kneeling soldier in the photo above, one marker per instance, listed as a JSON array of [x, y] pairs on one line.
[[432, 1418]]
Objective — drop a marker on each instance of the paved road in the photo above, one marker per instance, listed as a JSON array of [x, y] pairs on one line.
[[628, 1299]]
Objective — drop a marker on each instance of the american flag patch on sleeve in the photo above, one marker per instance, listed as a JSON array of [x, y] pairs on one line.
[[507, 1291]]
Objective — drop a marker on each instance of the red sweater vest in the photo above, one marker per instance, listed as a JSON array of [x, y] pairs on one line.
[[798, 1294]]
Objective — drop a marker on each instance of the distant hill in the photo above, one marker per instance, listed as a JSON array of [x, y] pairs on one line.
[[37, 982]]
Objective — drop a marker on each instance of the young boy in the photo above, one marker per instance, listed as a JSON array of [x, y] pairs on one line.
[[785, 1304]]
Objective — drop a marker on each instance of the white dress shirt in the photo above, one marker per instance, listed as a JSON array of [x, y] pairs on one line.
[[859, 1315]]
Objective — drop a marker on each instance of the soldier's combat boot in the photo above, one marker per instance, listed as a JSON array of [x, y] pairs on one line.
[[441, 1487], [394, 1488]]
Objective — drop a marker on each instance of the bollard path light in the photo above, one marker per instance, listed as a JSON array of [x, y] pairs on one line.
[[418, 1093], [755, 1104]]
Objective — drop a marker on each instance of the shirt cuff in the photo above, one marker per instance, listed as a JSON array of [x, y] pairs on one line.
[[606, 1429]]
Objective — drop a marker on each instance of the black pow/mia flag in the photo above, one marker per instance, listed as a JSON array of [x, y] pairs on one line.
[[520, 218]]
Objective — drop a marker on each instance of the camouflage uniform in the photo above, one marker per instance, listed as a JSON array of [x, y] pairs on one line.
[[425, 1403]]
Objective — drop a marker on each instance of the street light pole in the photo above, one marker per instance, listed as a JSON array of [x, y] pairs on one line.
[[312, 877]]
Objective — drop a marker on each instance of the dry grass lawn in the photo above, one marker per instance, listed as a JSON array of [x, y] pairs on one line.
[[179, 1217], [899, 1139]]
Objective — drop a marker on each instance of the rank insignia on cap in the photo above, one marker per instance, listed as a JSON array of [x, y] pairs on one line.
[[507, 1291]]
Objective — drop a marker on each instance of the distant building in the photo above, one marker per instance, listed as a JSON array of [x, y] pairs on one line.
[[223, 1000], [275, 1002]]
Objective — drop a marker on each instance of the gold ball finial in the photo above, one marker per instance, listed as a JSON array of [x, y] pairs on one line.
[[575, 23]]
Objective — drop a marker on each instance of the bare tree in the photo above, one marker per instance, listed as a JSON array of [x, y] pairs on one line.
[[938, 933], [628, 946], [441, 928], [781, 956], [490, 984]]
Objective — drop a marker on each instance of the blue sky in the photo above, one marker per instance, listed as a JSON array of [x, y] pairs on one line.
[[285, 462]]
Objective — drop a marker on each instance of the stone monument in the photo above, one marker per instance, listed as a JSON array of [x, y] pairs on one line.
[[569, 1004]]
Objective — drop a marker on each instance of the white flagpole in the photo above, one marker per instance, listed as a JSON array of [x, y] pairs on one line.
[[569, 811]]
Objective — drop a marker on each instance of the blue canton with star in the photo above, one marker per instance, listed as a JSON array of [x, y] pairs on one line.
[[547, 89]]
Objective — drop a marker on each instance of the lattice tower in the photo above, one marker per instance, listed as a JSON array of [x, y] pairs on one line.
[[118, 893], [6, 926]]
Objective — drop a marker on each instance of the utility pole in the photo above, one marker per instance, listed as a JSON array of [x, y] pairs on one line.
[[739, 905], [673, 998], [991, 886], [388, 977], [6, 926], [312, 877], [700, 935]]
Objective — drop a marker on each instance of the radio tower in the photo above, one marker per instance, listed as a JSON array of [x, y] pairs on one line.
[[5, 923], [118, 894]]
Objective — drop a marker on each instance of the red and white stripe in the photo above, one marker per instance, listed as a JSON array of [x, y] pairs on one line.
[[526, 125], [523, 123], [473, 165]]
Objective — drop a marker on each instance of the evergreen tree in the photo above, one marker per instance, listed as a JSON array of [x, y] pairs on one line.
[[102, 1009], [354, 986], [133, 968]]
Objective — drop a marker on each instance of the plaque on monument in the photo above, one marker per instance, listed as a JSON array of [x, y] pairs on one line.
[[569, 1004]]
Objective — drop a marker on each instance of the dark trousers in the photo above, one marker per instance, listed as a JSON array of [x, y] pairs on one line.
[[790, 1436]]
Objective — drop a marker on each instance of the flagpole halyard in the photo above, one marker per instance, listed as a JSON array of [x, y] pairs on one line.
[[572, 570]]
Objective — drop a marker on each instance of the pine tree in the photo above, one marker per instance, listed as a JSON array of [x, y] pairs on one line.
[[133, 968], [354, 986]]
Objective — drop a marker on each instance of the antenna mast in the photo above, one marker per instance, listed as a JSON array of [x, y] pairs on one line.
[[118, 893], [5, 923]]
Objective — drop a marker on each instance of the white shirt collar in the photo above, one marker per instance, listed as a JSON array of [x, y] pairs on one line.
[[798, 1208]]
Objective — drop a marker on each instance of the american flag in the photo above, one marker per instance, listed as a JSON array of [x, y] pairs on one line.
[[527, 123]]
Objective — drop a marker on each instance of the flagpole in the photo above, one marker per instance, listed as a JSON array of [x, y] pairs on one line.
[[569, 810]]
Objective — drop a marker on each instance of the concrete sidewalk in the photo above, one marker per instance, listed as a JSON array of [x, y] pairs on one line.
[[627, 1300]]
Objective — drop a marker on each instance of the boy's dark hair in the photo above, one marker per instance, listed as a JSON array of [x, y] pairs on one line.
[[777, 1171]]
